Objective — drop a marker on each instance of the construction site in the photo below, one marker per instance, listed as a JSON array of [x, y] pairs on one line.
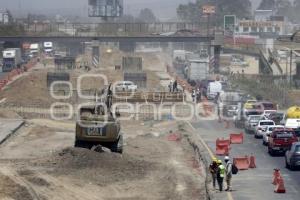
[[38, 156], [146, 100]]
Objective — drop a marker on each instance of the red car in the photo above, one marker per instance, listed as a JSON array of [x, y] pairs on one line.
[[281, 140]]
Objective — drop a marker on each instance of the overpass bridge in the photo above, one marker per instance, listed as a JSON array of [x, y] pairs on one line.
[[150, 38], [112, 32]]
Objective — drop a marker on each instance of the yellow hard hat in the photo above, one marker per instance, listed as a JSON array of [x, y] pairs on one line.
[[214, 159], [219, 161]]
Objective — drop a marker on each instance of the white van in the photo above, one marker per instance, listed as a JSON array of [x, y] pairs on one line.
[[213, 89], [292, 123]]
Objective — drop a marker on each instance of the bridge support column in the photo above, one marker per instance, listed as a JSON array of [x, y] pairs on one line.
[[127, 46], [96, 56]]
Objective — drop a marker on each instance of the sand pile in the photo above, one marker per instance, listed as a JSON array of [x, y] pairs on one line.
[[102, 168]]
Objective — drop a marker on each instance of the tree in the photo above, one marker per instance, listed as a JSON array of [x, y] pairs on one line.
[[240, 8], [192, 11], [126, 19], [284, 8], [296, 14], [267, 5], [147, 15]]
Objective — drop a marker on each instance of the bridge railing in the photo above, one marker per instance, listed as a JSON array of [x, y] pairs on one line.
[[108, 29]]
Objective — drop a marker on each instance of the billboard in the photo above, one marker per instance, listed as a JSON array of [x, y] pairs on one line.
[[105, 8], [208, 9], [229, 23]]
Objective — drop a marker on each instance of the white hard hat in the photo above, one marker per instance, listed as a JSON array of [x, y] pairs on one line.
[[226, 158]]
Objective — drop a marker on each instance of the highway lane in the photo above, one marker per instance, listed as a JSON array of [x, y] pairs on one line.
[[253, 183]]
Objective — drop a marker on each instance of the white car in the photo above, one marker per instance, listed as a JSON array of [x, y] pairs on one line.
[[126, 86], [268, 132], [261, 127], [251, 123]]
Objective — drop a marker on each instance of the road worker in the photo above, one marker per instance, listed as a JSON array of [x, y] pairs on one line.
[[228, 173], [220, 174], [213, 168]]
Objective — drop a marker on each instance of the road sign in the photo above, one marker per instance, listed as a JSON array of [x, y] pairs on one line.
[[229, 23], [208, 9]]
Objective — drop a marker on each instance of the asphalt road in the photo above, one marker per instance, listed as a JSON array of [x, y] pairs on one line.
[[252, 184]]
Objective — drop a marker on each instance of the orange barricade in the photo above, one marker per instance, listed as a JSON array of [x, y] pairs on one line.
[[279, 188], [236, 138], [222, 150], [252, 163], [3, 83], [242, 163], [223, 142]]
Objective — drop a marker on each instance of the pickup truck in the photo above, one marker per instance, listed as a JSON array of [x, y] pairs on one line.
[[281, 140]]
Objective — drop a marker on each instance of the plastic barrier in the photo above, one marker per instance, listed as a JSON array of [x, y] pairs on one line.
[[242, 163], [252, 163], [279, 188], [223, 142], [236, 138], [222, 150]]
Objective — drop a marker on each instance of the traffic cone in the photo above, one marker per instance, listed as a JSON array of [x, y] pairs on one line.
[[252, 162], [276, 175], [280, 185]]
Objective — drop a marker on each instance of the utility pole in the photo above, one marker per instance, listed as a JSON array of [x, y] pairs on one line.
[[208, 10], [291, 59]]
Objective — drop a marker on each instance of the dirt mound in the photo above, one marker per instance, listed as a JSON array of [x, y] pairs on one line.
[[13, 190], [30, 89], [101, 168]]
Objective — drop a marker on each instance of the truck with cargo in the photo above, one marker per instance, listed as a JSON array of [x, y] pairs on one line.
[[12, 59], [48, 48], [197, 70], [213, 89], [34, 49]]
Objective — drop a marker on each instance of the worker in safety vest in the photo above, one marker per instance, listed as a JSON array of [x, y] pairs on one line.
[[220, 174], [228, 171], [213, 169]]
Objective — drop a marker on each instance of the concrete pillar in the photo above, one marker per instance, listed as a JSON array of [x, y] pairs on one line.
[[96, 56]]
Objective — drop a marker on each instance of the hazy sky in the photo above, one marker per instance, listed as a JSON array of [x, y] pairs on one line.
[[162, 8]]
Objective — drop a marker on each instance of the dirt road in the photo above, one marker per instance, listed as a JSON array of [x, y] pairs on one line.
[[39, 162]]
